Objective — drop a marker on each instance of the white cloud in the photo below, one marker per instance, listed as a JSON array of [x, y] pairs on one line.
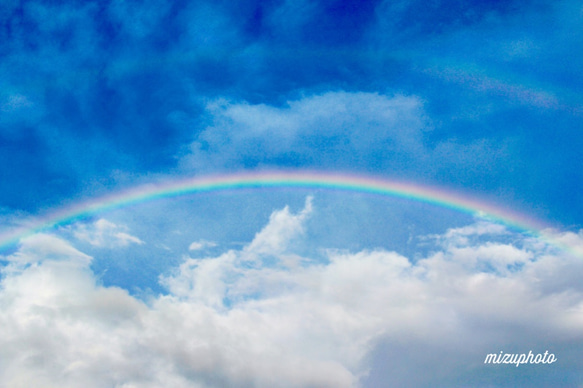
[[283, 227], [42, 246], [570, 240], [343, 126], [105, 234], [238, 320], [478, 229], [463, 236], [335, 130], [201, 244]]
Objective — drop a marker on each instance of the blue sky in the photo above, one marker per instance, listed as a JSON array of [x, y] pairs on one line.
[[96, 95], [482, 98]]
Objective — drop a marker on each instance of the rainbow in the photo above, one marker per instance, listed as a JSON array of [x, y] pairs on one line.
[[362, 184]]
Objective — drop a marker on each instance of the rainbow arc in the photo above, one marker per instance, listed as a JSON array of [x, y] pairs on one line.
[[265, 180]]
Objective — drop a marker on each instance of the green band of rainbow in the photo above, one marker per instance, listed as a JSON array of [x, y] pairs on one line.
[[344, 182]]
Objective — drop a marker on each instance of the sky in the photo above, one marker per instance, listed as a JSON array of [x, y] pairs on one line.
[[290, 286]]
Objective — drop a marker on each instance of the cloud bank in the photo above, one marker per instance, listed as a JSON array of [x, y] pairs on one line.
[[265, 316]]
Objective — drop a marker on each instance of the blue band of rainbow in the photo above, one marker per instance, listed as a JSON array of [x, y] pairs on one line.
[[363, 184]]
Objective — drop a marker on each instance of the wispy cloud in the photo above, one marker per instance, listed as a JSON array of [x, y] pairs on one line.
[[201, 244], [345, 128], [514, 93], [105, 234]]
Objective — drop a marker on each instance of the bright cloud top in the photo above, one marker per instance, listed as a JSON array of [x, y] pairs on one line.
[[264, 315]]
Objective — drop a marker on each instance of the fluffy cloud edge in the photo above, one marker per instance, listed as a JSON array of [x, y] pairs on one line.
[[247, 317]]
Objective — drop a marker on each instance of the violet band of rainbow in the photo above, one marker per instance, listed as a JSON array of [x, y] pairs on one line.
[[316, 180]]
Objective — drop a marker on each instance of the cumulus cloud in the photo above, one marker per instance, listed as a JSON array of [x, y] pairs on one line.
[[104, 233], [282, 228], [248, 318]]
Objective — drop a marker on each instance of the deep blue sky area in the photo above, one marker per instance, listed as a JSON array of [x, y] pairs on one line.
[[97, 95]]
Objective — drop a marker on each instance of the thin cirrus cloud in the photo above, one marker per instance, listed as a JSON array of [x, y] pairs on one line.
[[105, 234], [252, 316]]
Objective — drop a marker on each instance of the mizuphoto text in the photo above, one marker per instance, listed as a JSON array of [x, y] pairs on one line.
[[518, 359]]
